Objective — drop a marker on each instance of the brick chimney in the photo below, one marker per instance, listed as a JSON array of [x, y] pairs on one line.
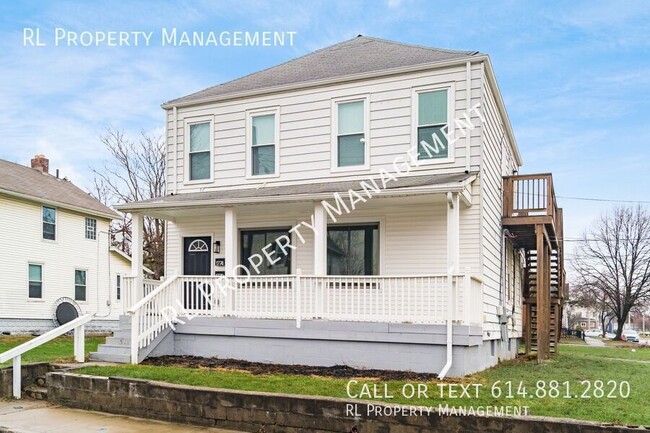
[[40, 162]]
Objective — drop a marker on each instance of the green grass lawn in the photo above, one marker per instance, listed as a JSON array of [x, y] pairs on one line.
[[574, 364], [60, 349]]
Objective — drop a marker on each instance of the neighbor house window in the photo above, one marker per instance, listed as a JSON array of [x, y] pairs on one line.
[[350, 134], [35, 281], [432, 125], [49, 223], [91, 228], [256, 260], [79, 285], [118, 287], [200, 154], [263, 144], [353, 250]]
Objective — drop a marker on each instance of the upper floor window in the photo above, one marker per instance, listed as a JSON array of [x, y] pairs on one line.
[[200, 154], [351, 133], [79, 285], [49, 223], [35, 281], [91, 228], [432, 124], [263, 144]]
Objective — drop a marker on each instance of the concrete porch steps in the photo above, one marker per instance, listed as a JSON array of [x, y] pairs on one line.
[[118, 347]]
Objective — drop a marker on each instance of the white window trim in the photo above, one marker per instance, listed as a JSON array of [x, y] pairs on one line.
[[56, 224], [334, 148], [86, 229], [74, 285], [42, 265], [249, 142], [451, 92], [186, 125]]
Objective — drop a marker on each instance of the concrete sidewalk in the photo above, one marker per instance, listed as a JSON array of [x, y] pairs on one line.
[[29, 416]]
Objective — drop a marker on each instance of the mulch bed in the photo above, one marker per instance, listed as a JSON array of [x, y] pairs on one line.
[[337, 371]]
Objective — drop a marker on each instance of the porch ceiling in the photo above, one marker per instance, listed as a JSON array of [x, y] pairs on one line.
[[404, 190]]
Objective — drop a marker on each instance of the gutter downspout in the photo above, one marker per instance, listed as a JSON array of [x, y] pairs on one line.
[[451, 309], [468, 101]]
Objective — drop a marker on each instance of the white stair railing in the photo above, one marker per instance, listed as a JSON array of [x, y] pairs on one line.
[[16, 353], [153, 314]]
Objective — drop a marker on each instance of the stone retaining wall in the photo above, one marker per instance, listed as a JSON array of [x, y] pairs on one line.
[[276, 413], [29, 373]]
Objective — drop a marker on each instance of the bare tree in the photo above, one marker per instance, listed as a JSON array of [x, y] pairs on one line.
[[613, 258], [592, 298], [134, 172]]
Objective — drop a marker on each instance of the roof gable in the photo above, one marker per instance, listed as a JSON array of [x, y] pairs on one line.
[[352, 57], [19, 180]]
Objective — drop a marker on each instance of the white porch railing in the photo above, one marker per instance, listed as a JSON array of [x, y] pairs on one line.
[[16, 353], [130, 296], [393, 299]]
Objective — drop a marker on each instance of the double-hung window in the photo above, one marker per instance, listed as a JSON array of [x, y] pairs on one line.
[[263, 144], [200, 154], [91, 228], [432, 124], [351, 133], [79, 285], [49, 223], [35, 281], [118, 287]]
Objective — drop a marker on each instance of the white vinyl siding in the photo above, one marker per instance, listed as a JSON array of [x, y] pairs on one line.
[[307, 132], [21, 244]]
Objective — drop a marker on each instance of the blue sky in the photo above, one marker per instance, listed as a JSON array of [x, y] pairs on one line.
[[575, 76]]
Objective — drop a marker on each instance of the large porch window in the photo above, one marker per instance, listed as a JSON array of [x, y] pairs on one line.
[[353, 250], [253, 241]]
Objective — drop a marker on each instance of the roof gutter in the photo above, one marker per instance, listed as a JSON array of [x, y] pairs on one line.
[[428, 189], [82, 210], [461, 61]]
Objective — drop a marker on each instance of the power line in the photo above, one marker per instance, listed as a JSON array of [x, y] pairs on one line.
[[603, 200]]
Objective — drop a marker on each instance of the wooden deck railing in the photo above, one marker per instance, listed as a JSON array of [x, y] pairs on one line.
[[529, 195]]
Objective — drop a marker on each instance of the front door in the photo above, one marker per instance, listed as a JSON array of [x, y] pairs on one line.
[[196, 261]]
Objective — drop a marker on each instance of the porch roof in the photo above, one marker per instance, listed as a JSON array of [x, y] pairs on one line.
[[404, 185]]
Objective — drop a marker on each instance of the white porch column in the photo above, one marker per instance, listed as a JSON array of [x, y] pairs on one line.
[[453, 232], [320, 239], [230, 241], [137, 241]]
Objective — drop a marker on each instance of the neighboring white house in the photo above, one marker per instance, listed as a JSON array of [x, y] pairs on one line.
[[409, 268], [54, 244]]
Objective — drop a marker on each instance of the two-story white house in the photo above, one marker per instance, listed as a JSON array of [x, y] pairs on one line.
[[55, 252], [344, 207]]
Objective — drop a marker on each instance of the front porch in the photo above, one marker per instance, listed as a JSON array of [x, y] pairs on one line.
[[392, 263]]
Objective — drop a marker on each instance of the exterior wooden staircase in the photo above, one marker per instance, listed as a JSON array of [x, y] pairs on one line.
[[531, 215]]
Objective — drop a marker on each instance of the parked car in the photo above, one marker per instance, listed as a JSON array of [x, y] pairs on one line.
[[593, 333], [630, 335]]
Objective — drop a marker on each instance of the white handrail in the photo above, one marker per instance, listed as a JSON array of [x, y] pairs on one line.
[[16, 353]]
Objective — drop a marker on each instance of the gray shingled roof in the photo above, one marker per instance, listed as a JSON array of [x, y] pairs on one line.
[[296, 191], [355, 56], [26, 181]]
